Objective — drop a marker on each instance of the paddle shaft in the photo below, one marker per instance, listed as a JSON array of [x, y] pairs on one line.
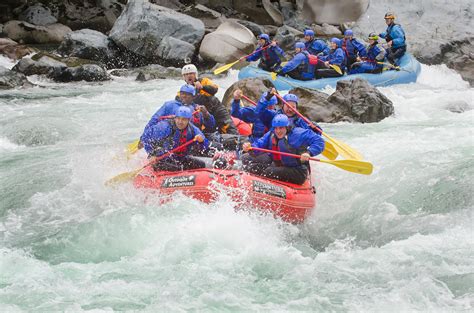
[[300, 115], [283, 153], [261, 49], [173, 116], [161, 157], [248, 99]]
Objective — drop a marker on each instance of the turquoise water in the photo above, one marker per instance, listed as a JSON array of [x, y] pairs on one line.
[[398, 240]]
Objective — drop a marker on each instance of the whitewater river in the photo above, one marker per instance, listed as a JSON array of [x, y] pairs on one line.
[[401, 239]]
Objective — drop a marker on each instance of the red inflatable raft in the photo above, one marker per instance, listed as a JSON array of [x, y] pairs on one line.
[[293, 203]]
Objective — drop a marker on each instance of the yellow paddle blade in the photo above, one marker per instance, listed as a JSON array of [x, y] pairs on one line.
[[273, 75], [123, 178], [343, 149], [336, 68], [133, 147], [329, 151], [354, 166], [224, 68]]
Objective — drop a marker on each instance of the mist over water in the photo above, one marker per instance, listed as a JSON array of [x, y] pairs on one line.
[[398, 240]]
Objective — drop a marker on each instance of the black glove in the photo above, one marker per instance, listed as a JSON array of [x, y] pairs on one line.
[[269, 95]]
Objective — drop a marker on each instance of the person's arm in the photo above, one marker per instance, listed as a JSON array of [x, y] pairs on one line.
[[293, 63], [314, 142], [205, 143], [235, 109], [338, 57], [262, 112], [154, 134], [208, 120], [157, 116], [362, 52], [262, 142], [380, 53], [254, 56], [398, 38]]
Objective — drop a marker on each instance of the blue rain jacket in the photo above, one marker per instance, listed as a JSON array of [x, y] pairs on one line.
[[335, 57], [316, 46], [353, 48], [396, 34], [300, 62], [269, 56], [249, 115]]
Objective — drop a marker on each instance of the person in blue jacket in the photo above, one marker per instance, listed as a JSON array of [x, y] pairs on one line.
[[395, 38], [270, 57], [249, 115], [373, 63], [298, 67], [326, 63], [313, 45], [353, 48], [266, 115], [171, 133], [287, 139], [203, 119]]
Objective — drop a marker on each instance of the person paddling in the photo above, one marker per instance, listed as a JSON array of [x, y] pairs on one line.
[[206, 90], [171, 133], [373, 63], [269, 54], [283, 138], [353, 48], [395, 38]]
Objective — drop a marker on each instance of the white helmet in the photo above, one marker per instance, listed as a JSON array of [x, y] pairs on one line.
[[189, 68]]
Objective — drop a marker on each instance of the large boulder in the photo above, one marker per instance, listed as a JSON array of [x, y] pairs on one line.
[[28, 33], [11, 79], [88, 44], [43, 66], [251, 87], [157, 34], [334, 12], [13, 50], [229, 42], [211, 19], [38, 15], [87, 72], [353, 101], [253, 27], [287, 36]]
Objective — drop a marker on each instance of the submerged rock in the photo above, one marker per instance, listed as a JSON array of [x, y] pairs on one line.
[[11, 79], [13, 50], [87, 72], [43, 66]]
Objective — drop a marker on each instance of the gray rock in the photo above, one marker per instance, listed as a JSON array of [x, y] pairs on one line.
[[253, 27], [11, 79], [326, 30], [28, 33], [270, 29], [87, 72], [363, 102], [88, 44], [334, 12], [175, 50], [38, 15], [211, 19], [286, 37], [228, 43], [260, 12], [13, 50], [459, 106], [143, 26], [353, 101], [43, 66], [156, 71], [251, 87]]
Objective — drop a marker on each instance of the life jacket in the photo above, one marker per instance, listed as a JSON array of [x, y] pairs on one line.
[[169, 143], [389, 29], [283, 146], [305, 66]]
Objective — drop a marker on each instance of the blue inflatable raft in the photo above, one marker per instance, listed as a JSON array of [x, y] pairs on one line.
[[409, 70]]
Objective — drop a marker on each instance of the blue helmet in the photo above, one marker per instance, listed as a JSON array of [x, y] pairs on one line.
[[348, 32], [183, 111], [309, 32], [264, 37], [188, 89], [300, 45], [336, 41], [280, 120], [291, 97]]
